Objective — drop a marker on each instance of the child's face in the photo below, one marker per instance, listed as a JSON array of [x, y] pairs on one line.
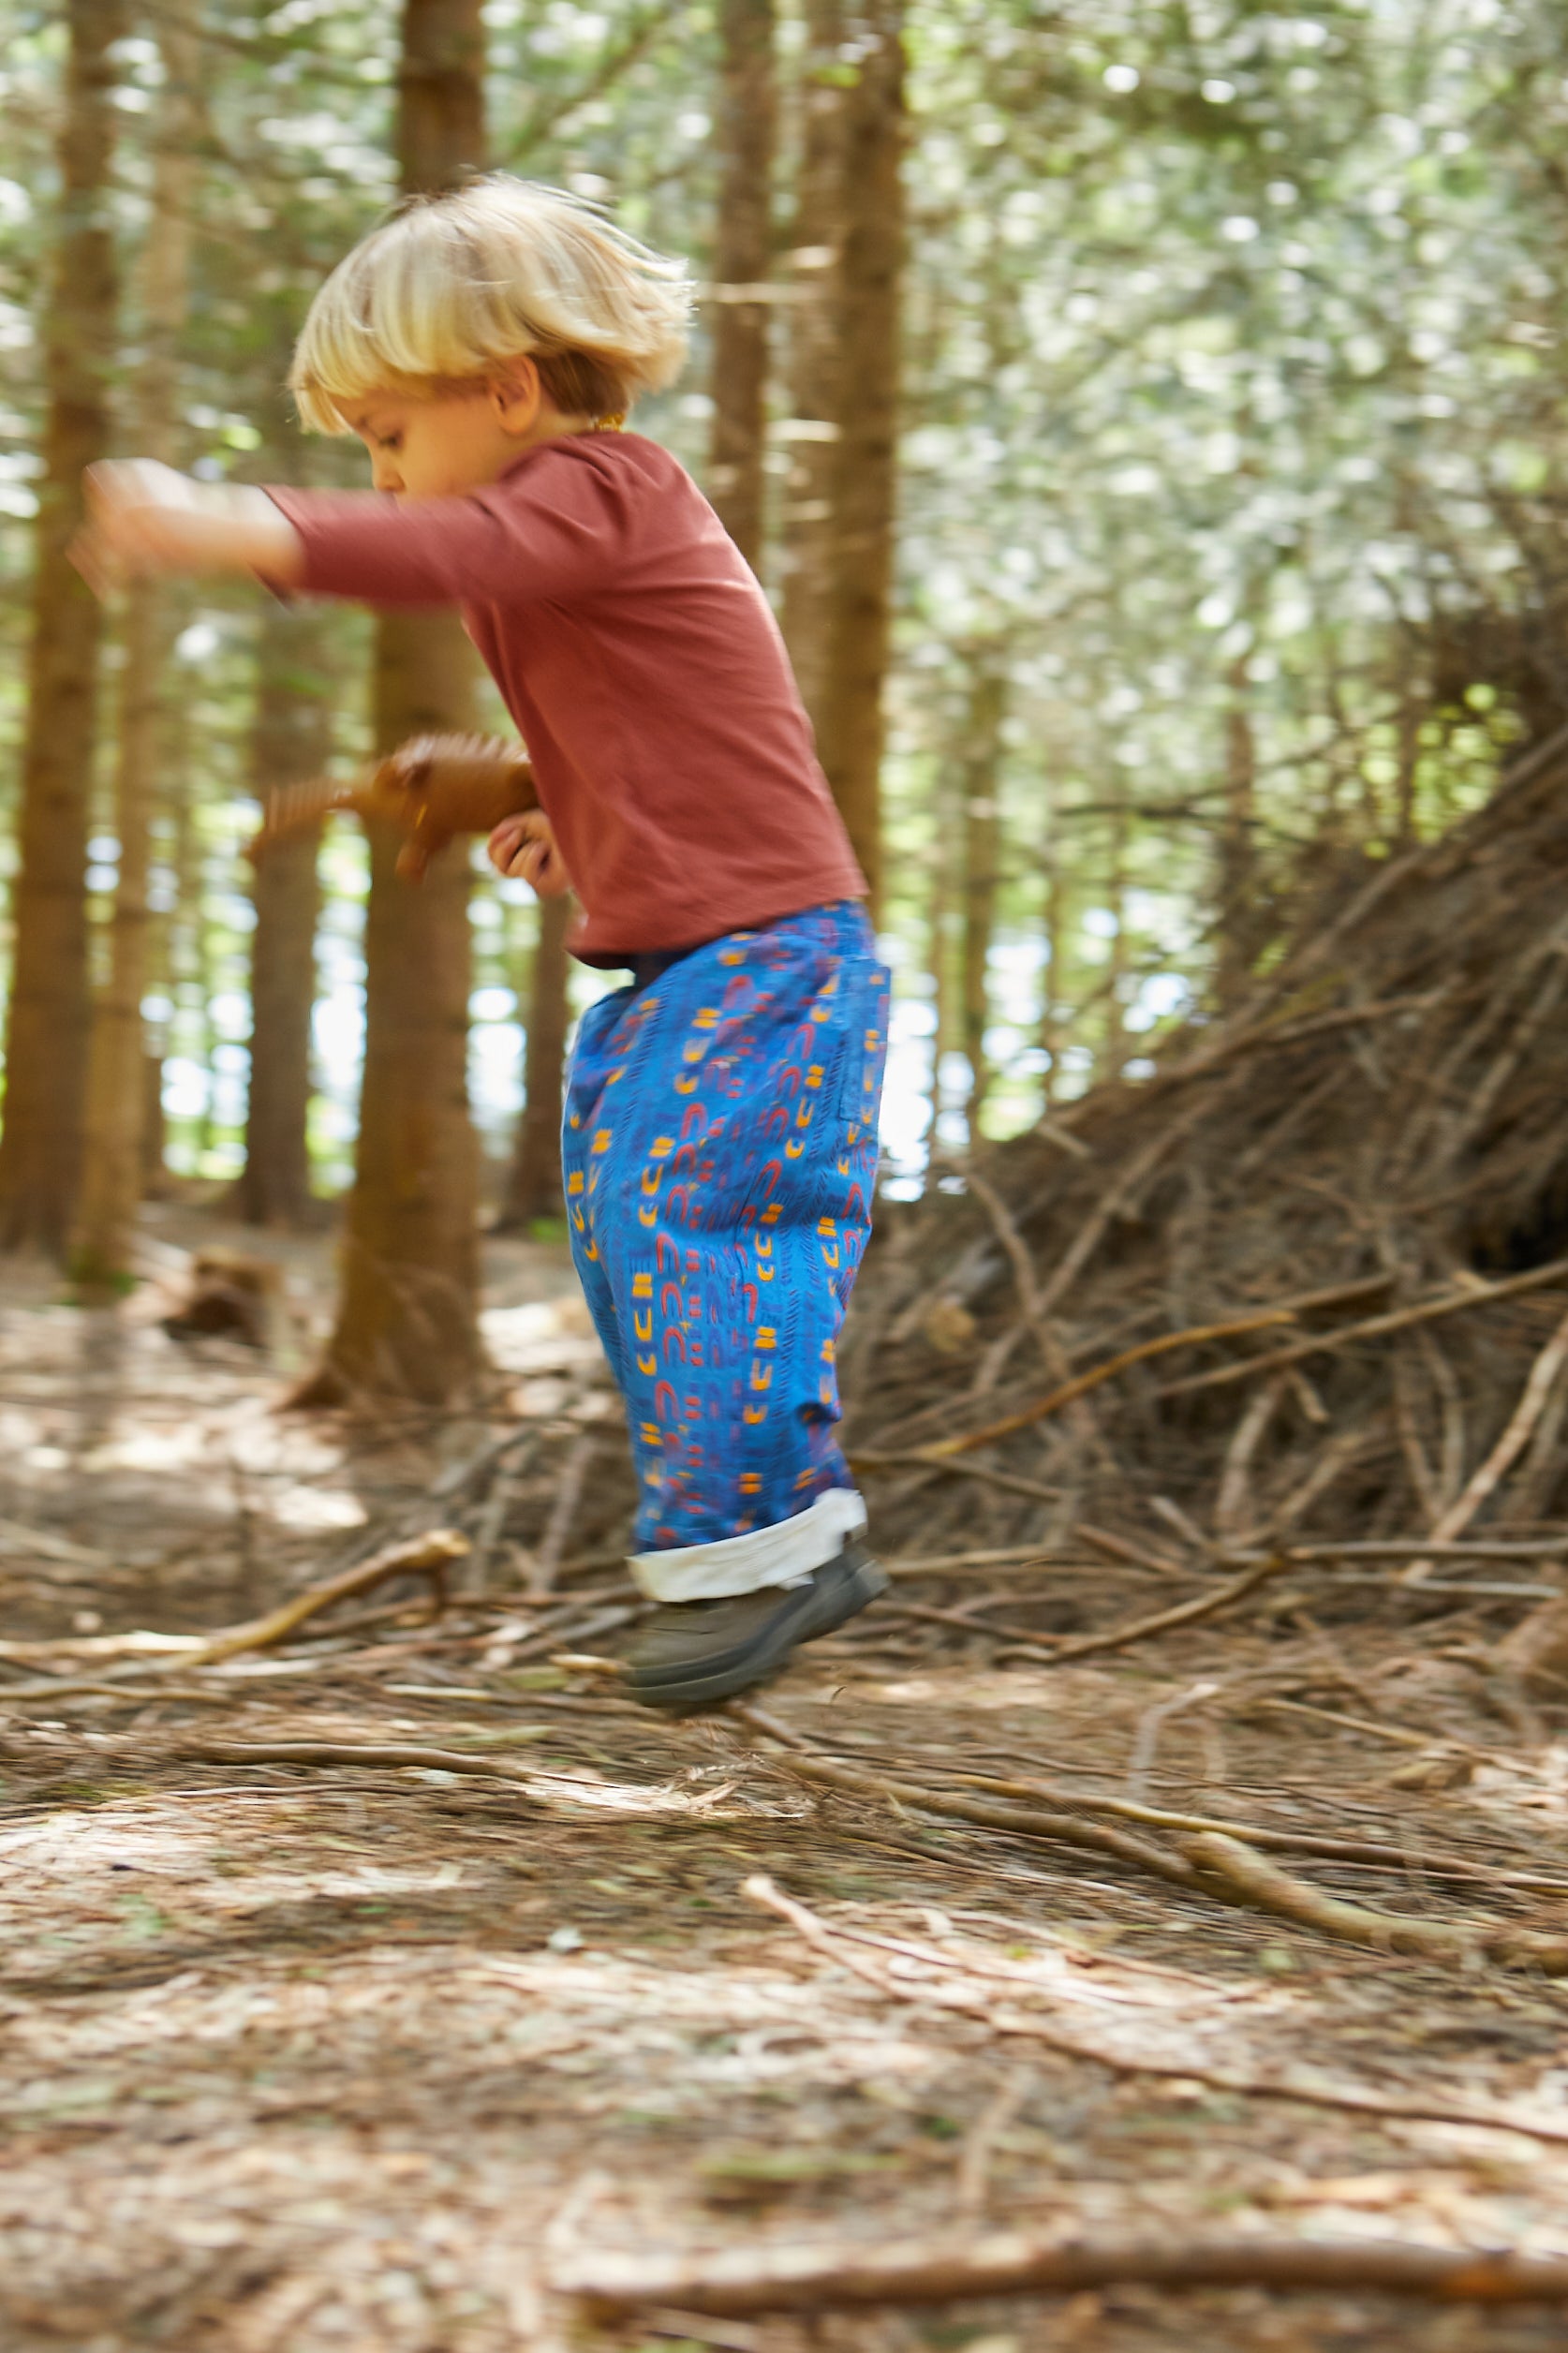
[[439, 447]]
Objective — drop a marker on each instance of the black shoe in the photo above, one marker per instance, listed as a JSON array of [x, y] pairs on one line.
[[690, 1655]]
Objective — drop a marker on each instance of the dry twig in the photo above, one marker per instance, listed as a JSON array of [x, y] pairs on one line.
[[1310, 2091], [1268, 1887], [823, 2278]]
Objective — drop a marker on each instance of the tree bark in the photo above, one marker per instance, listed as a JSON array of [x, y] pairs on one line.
[[1053, 1003], [407, 1323], [1112, 1043], [743, 260], [113, 1172], [1238, 942], [812, 429], [291, 739], [46, 1030], [534, 1182], [851, 723], [939, 953], [982, 760]]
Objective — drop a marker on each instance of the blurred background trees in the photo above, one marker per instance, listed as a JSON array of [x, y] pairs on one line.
[[1145, 418]]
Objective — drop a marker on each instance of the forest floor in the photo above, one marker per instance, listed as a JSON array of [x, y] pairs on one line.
[[399, 2053]]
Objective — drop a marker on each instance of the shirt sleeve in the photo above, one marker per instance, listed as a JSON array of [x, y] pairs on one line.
[[554, 530]]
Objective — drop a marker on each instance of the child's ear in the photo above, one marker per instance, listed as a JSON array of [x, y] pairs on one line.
[[518, 397]]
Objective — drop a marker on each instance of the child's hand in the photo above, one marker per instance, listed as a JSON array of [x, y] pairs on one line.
[[524, 848], [144, 518]]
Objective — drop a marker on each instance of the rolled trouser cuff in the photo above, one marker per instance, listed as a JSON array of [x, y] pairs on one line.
[[779, 1555]]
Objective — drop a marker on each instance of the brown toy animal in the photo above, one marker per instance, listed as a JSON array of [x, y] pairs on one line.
[[431, 788]]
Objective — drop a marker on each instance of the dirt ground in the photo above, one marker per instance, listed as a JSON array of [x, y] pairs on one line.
[[382, 2055]]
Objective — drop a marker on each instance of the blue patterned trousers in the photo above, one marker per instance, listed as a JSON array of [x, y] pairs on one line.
[[720, 1151]]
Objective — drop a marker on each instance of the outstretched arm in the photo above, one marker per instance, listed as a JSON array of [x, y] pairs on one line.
[[145, 518]]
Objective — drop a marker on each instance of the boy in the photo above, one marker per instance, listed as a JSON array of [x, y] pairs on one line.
[[720, 1142]]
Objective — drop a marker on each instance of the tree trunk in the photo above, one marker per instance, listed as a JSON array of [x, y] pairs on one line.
[[46, 1042], [812, 429], [1053, 984], [851, 725], [407, 1324], [290, 740], [742, 258], [981, 843], [408, 1321], [1112, 1048], [533, 1183], [112, 1184], [168, 881], [940, 958], [1238, 942], [1410, 714]]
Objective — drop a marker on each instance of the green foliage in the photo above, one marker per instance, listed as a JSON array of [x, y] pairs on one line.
[[1233, 379]]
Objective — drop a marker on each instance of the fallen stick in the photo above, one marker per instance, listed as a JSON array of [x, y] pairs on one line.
[[1268, 1888], [1489, 1474], [735, 2282], [429, 1556], [1182, 1614], [1394, 1734], [948, 1467], [1001, 1556], [135, 1694], [1210, 1863], [1138, 1556], [1032, 1820], [1050, 1651], [1328, 1849], [1454, 1302], [1338, 1850], [1259, 1319], [1184, 2066], [1478, 1548], [343, 1753]]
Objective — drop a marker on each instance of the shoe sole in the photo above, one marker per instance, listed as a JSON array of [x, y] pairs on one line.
[[834, 1600]]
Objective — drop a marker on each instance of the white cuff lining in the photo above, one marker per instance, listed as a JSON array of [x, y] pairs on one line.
[[778, 1555]]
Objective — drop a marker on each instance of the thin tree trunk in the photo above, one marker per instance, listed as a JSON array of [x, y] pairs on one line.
[[112, 1184], [940, 958], [851, 723], [1238, 942], [1113, 1051], [173, 832], [290, 740], [534, 1182], [408, 1321], [743, 259], [1053, 1003], [812, 429], [982, 844], [186, 942], [1411, 716], [46, 1042]]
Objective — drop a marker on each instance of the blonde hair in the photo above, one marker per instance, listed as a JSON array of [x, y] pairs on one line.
[[453, 287]]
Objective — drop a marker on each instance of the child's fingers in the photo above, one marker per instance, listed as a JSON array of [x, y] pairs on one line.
[[523, 847], [505, 837], [504, 843]]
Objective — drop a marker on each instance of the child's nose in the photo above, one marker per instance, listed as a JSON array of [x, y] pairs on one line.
[[384, 474]]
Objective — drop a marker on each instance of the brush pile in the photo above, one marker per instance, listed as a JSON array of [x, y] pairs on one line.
[[1305, 1285]]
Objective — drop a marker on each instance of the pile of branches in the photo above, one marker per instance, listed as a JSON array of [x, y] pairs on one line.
[[1309, 1283]]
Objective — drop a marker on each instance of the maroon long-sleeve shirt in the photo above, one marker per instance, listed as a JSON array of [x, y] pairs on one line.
[[644, 670]]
